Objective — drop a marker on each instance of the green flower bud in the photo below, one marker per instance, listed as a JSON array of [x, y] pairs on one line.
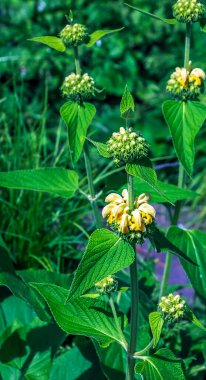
[[186, 84], [74, 35], [173, 307], [78, 87], [126, 146], [107, 285], [188, 11]]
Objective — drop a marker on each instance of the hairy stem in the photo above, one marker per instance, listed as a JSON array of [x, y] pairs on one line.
[[134, 296], [92, 196], [181, 177]]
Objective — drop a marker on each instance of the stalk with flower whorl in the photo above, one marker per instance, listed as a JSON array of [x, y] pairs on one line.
[[131, 224], [172, 307], [186, 84]]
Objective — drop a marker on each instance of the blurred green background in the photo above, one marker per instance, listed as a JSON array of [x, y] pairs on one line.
[[31, 134]]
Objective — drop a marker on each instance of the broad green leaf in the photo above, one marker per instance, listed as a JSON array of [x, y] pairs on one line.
[[57, 181], [156, 323], [80, 316], [99, 34], [106, 254], [192, 318], [41, 275], [24, 292], [163, 365], [144, 170], [77, 117], [77, 362], [166, 20], [184, 120], [193, 243], [127, 104], [173, 192], [113, 360], [162, 243], [101, 147], [51, 41]]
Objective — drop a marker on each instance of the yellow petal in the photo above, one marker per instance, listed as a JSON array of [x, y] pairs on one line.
[[125, 195], [113, 197], [198, 73], [143, 198], [118, 210], [124, 224], [148, 209], [107, 210], [137, 217]]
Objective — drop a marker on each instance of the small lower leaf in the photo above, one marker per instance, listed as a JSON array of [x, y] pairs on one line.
[[101, 147], [156, 323], [192, 318]]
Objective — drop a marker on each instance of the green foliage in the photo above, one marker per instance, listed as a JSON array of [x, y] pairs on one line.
[[144, 169], [51, 41], [193, 243], [99, 34], [127, 104], [173, 192], [184, 120], [77, 117], [162, 363], [161, 243], [156, 323], [106, 254], [80, 316], [57, 181], [101, 147], [166, 20]]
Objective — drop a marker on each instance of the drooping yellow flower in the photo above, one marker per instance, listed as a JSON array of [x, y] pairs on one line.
[[119, 214]]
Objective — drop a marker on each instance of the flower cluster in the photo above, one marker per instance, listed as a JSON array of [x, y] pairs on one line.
[[186, 84], [78, 87], [131, 224], [74, 35], [107, 285], [172, 307], [188, 10], [126, 146]]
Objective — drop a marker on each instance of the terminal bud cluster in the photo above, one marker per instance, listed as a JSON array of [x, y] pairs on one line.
[[187, 11], [78, 87], [186, 84], [74, 35]]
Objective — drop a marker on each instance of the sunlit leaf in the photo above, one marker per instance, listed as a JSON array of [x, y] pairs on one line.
[[99, 34], [51, 41]]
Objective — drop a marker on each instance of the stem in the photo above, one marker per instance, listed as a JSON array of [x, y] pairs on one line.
[[134, 296], [111, 302], [139, 353], [92, 197], [181, 177]]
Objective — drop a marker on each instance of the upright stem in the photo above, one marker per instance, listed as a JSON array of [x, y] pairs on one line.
[[181, 175], [134, 296], [92, 196]]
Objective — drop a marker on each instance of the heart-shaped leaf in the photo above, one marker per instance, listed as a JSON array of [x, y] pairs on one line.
[[156, 323]]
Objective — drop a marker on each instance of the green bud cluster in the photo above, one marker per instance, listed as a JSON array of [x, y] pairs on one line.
[[74, 35], [188, 11], [186, 84], [107, 285], [173, 307], [78, 87], [126, 146]]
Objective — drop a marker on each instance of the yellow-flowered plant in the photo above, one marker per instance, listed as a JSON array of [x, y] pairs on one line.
[[172, 307], [74, 35], [132, 223], [186, 84]]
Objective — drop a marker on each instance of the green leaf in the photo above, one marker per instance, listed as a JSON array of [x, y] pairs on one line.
[[101, 147], [106, 254], [166, 20], [127, 104], [80, 316], [77, 362], [99, 34], [77, 118], [160, 366], [192, 318], [184, 120], [193, 243], [113, 360], [57, 181], [173, 192], [144, 169], [163, 244], [203, 24], [51, 41], [156, 323]]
